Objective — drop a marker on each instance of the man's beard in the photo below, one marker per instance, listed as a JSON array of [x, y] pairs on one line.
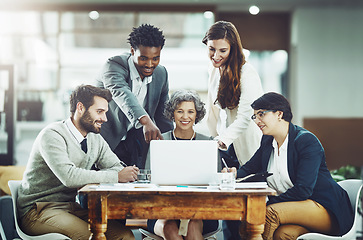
[[88, 124]]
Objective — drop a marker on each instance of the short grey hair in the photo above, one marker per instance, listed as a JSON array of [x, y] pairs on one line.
[[180, 96]]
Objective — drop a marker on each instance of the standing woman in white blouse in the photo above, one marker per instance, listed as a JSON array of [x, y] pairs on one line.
[[233, 85]]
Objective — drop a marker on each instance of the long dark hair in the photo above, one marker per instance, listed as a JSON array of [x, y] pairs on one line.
[[229, 91]]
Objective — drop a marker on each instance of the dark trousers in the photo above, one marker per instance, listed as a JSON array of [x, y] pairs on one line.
[[133, 150], [231, 229]]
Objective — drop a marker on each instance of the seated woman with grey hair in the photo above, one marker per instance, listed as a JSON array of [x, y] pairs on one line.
[[186, 109]]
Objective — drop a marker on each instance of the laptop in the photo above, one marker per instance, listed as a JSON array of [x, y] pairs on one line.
[[174, 162]]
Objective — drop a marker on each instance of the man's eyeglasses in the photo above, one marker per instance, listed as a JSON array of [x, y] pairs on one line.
[[260, 114]]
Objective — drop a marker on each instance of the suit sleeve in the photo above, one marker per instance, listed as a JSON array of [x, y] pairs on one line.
[[114, 77], [162, 122], [309, 154], [254, 165]]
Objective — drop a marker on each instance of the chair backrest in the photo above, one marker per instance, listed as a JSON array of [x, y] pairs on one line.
[[353, 187], [2, 233], [7, 226], [14, 185]]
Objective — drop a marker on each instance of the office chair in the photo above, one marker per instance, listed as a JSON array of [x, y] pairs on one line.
[[207, 236], [353, 188], [14, 185], [7, 226], [2, 233]]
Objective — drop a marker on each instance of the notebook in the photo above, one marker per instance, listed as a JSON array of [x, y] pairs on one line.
[[174, 162]]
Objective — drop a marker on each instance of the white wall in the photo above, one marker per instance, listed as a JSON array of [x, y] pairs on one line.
[[326, 71]]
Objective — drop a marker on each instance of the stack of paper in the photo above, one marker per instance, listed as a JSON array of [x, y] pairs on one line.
[[121, 186], [243, 185]]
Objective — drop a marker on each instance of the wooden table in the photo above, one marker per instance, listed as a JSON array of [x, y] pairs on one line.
[[175, 203]]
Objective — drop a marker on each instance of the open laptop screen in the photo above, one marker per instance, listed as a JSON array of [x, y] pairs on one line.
[[183, 162]]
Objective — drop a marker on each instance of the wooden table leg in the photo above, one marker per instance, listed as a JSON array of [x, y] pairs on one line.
[[97, 215], [256, 211]]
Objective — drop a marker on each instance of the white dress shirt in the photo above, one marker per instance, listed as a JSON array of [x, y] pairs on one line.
[[280, 180], [78, 137], [139, 86]]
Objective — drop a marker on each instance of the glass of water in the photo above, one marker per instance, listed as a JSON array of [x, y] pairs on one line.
[[227, 182], [144, 176]]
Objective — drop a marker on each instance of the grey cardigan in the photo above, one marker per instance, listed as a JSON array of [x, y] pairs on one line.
[[57, 167]]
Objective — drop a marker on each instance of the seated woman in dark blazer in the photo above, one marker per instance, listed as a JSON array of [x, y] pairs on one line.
[[186, 109], [308, 199]]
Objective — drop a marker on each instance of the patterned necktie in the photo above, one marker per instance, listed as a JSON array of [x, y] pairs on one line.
[[84, 145]]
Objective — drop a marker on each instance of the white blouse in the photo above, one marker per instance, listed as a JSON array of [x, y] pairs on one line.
[[280, 180], [235, 126], [222, 120]]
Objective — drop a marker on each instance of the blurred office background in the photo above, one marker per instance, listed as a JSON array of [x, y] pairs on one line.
[[309, 50]]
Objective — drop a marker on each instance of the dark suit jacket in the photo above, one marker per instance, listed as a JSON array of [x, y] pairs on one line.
[[308, 172], [124, 109]]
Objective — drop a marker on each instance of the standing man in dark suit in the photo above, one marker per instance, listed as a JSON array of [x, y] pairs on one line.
[[139, 87]]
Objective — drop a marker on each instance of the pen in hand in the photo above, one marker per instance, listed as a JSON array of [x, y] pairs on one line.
[[123, 164], [225, 164]]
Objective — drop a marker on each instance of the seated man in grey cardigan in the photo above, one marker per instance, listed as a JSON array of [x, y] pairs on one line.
[[60, 163]]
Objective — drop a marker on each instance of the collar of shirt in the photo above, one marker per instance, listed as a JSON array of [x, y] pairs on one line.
[[278, 165], [74, 131], [134, 74], [283, 146]]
